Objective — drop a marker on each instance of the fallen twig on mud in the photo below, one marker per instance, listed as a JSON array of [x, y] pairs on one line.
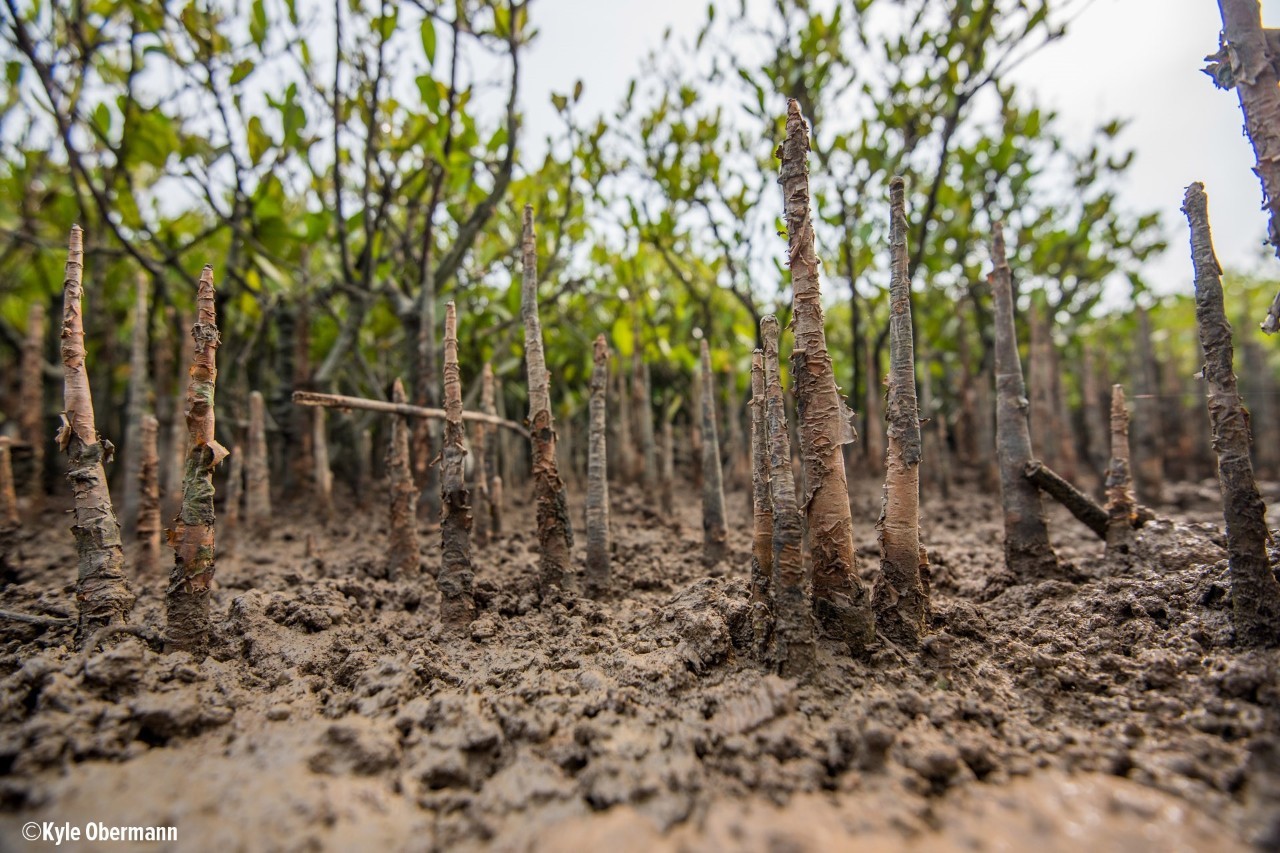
[[34, 619], [1083, 507], [144, 632]]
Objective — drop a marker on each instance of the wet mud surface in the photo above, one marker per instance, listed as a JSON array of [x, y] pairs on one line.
[[1109, 712]]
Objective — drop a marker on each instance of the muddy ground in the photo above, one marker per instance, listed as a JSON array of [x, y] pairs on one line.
[[1107, 713]]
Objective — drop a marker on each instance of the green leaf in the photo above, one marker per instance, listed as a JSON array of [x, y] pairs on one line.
[[387, 23], [620, 337], [430, 90], [102, 119], [258, 22], [577, 91], [429, 39], [561, 102], [271, 272], [242, 70], [259, 140], [152, 138]]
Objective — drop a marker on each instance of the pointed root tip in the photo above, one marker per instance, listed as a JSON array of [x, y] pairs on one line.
[[1195, 195], [397, 391], [528, 215], [997, 243]]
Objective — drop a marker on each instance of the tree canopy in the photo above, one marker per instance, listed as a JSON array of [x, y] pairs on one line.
[[361, 163]]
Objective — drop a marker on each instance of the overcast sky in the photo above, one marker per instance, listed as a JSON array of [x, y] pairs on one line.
[[1135, 59]]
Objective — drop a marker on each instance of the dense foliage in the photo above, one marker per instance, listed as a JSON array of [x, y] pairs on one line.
[[349, 168]]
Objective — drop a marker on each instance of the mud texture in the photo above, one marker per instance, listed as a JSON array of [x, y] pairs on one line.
[[1111, 712]]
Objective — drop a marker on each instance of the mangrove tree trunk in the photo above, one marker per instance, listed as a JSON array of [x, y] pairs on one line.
[[1255, 593], [596, 581], [842, 605], [192, 536], [103, 595], [1027, 552]]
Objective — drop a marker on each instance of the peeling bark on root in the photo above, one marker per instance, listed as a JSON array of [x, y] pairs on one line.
[[715, 535], [192, 535], [762, 511], [1248, 61], [103, 595], [794, 643], [555, 533], [1250, 70], [1271, 323], [187, 599], [597, 576], [1255, 593], [456, 578], [149, 526], [842, 604], [425, 435], [402, 546], [1027, 553], [899, 597], [1121, 512]]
